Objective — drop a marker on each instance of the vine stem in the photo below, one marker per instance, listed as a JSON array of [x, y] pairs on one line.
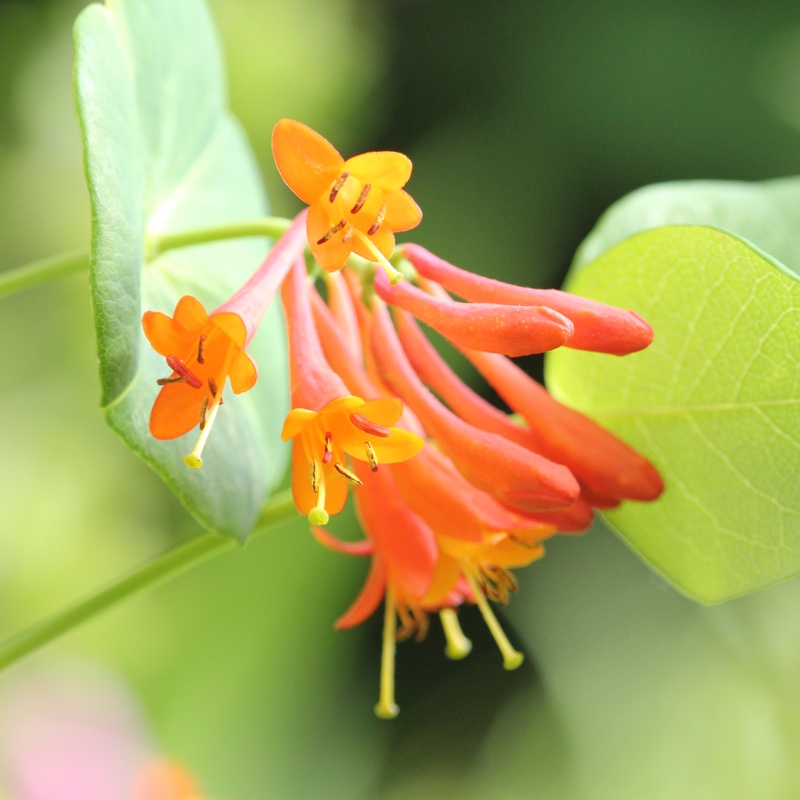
[[58, 266], [159, 570], [46, 269]]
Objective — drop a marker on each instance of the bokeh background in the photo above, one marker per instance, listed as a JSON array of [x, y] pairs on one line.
[[524, 121]]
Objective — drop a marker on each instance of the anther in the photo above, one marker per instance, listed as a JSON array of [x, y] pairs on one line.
[[345, 473], [201, 350], [315, 476], [362, 198], [371, 457], [332, 232], [370, 427], [176, 365], [172, 379], [337, 186], [212, 387], [204, 412], [378, 221], [328, 455], [348, 234]]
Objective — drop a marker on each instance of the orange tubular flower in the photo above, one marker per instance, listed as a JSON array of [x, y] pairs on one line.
[[204, 350], [326, 422], [355, 206], [518, 477], [404, 558], [598, 327], [491, 327]]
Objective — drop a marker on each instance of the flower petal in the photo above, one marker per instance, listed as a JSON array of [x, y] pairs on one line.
[[368, 599], [176, 410], [307, 162], [243, 373], [384, 169], [402, 213], [332, 254]]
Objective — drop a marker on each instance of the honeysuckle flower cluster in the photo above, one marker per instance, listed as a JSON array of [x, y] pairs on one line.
[[452, 493]]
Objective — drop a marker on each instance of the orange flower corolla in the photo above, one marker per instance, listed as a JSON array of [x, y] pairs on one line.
[[327, 422], [166, 780], [345, 425], [355, 206], [203, 352]]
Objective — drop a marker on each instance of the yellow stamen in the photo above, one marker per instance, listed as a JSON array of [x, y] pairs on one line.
[[314, 475], [394, 276], [318, 515], [386, 707], [458, 646], [511, 658], [345, 473], [194, 459]]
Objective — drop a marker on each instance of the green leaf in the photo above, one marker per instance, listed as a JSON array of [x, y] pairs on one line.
[[162, 153], [766, 214], [714, 401]]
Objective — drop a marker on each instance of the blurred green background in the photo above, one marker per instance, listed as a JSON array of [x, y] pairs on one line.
[[524, 121]]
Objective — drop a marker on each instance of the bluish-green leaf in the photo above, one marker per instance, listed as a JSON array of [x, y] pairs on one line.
[[714, 401], [162, 153]]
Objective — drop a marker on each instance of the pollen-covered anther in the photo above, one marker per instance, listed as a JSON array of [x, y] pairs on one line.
[[338, 185], [332, 232], [176, 365], [413, 622], [372, 458], [201, 349], [314, 475], [204, 413], [362, 198], [212, 387], [348, 234], [328, 455], [345, 473], [378, 221], [370, 427], [171, 379]]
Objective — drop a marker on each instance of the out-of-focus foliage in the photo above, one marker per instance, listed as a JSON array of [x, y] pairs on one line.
[[524, 122]]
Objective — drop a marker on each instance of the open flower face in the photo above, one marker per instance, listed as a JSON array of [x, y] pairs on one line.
[[203, 352], [345, 426], [355, 205]]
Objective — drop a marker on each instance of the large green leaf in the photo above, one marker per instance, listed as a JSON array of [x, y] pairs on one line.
[[767, 214], [162, 153], [714, 401]]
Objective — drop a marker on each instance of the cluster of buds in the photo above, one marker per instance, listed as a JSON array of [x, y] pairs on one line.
[[452, 493]]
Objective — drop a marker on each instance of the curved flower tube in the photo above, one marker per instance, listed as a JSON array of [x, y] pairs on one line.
[[598, 327], [327, 422]]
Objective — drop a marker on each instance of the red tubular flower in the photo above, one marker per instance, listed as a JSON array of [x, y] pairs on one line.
[[355, 205], [600, 461], [598, 327], [326, 421], [204, 350], [517, 477], [404, 559], [607, 469], [515, 330]]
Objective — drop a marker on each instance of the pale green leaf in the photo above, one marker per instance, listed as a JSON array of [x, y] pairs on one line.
[[714, 402], [162, 153]]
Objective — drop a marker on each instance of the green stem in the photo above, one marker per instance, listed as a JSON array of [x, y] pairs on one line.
[[46, 269], [274, 227], [161, 569]]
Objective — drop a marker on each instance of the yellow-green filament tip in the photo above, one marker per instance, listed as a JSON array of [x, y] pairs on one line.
[[458, 646], [511, 658], [394, 276], [195, 458], [318, 516], [386, 708]]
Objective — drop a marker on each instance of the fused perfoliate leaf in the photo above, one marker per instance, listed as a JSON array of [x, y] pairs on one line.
[[714, 402], [163, 154]]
